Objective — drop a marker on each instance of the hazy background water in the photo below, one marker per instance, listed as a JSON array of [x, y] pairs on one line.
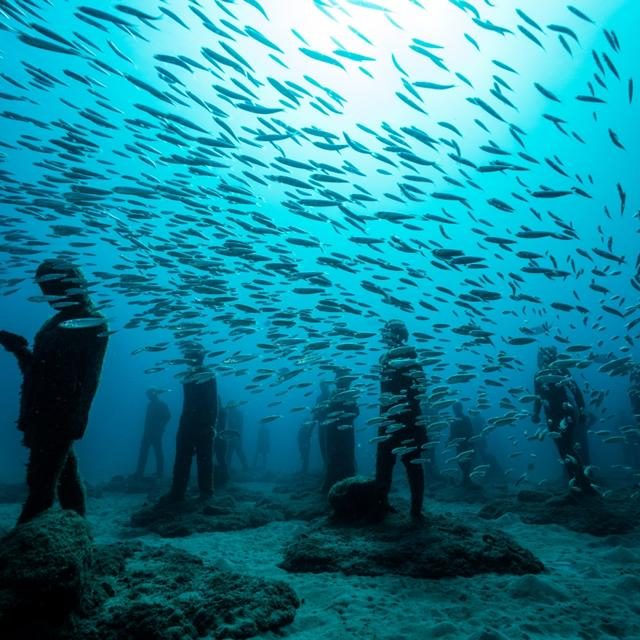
[[110, 445]]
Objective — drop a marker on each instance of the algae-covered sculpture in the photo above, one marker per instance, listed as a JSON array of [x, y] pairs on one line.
[[60, 379]]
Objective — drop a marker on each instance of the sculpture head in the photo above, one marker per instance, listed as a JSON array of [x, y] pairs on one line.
[[195, 355], [546, 355], [63, 281], [395, 333]]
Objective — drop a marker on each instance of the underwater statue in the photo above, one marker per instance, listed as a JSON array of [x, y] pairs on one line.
[[633, 453], [263, 446], [60, 379], [342, 410], [403, 432], [234, 430], [564, 409], [156, 419], [494, 472], [319, 415], [582, 436], [461, 432], [196, 428], [305, 432], [220, 447]]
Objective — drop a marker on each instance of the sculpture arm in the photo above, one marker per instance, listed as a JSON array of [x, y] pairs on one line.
[[19, 347]]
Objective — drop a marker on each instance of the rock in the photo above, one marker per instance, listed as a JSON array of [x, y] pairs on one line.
[[299, 498], [594, 515], [357, 498], [167, 594], [133, 484], [441, 547], [54, 585], [220, 513], [149, 619], [44, 569], [234, 509]]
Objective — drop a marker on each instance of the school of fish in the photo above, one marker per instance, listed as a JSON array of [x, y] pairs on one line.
[[240, 201]]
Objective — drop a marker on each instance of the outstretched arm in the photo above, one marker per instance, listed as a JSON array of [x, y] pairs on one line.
[[19, 347]]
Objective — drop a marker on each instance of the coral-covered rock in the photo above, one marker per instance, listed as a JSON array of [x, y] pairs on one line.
[[220, 513], [166, 594], [44, 568], [54, 584], [438, 548], [357, 498], [133, 484], [594, 515]]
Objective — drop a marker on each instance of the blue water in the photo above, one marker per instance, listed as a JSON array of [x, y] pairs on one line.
[[171, 235]]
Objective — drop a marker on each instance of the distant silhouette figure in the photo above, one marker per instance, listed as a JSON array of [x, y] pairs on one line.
[[401, 383], [220, 468], [494, 472], [589, 419], [305, 432], [342, 410], [60, 379], [634, 391], [263, 446], [564, 409], [431, 467], [461, 432], [234, 429], [196, 428], [319, 415], [155, 421], [633, 453]]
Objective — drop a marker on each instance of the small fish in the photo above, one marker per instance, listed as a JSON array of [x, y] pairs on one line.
[[545, 92], [530, 36], [433, 85], [615, 139], [483, 105], [256, 5], [472, 41], [580, 14], [612, 67], [83, 323], [530, 21], [174, 17], [321, 57], [256, 35], [520, 341], [350, 55], [46, 44], [558, 28], [379, 439]]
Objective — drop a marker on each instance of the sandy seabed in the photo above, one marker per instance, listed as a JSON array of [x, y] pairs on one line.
[[590, 589]]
